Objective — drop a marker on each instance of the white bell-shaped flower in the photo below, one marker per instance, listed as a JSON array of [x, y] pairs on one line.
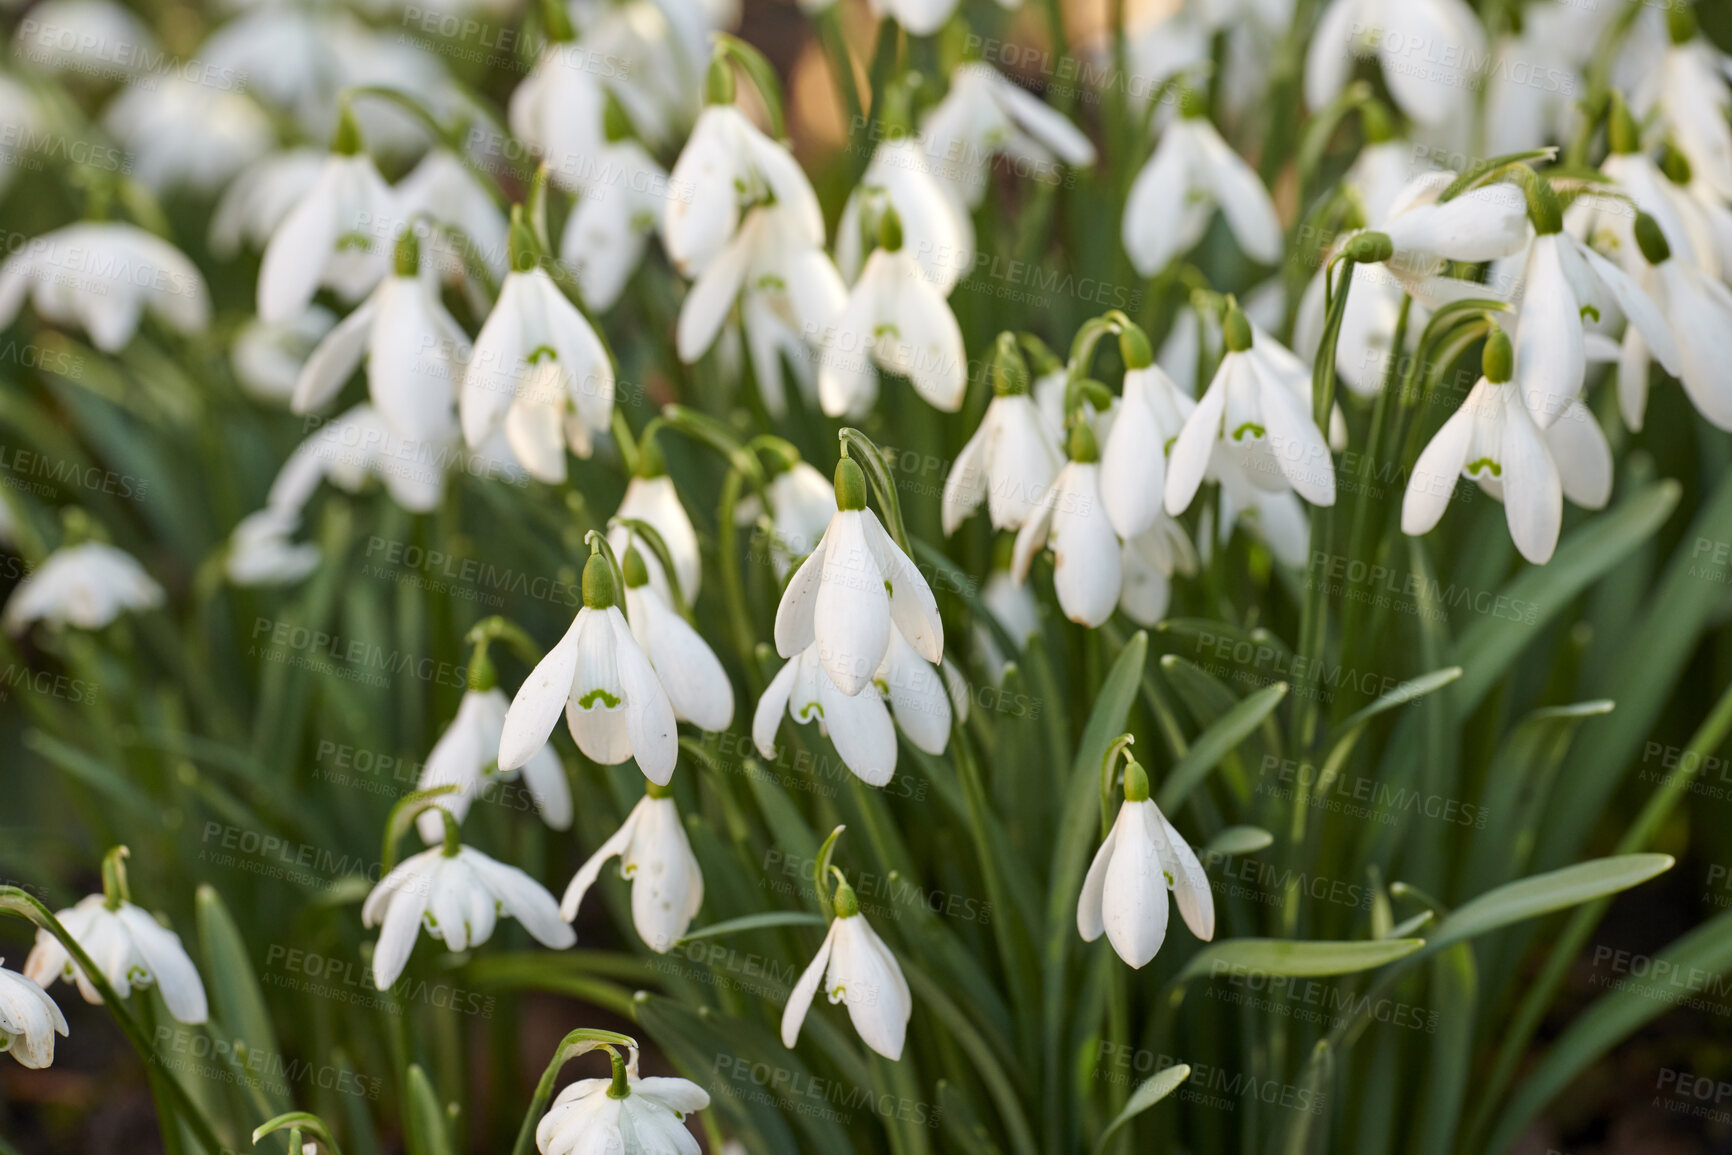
[[97, 39], [86, 585], [1277, 517], [466, 756], [262, 550], [985, 115], [936, 227], [801, 503], [1258, 410], [332, 237], [1148, 562], [1494, 440], [895, 320], [415, 352], [624, 1116], [1191, 174], [1011, 460], [667, 886], [1134, 459], [129, 947], [268, 359], [919, 693], [458, 894], [559, 109], [858, 725], [257, 200], [1685, 90], [29, 1020], [1404, 35], [1071, 520], [650, 497], [442, 188], [854, 967], [1699, 309], [101, 276], [618, 207], [183, 133], [613, 701], [1124, 894], [689, 670], [538, 371], [850, 589], [358, 445]]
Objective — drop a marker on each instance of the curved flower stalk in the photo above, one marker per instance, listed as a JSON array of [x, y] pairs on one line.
[[614, 704], [29, 1020], [853, 966], [414, 349], [458, 894], [689, 670], [443, 190], [182, 133], [936, 227], [1124, 894], [538, 371], [328, 238], [667, 885], [1431, 92], [102, 276], [845, 596], [466, 756], [1011, 460], [1257, 411], [624, 1115], [86, 585], [986, 115], [1191, 174], [1699, 310], [1493, 440]]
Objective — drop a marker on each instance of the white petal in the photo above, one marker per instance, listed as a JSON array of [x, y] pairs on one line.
[[861, 730], [1243, 199], [1085, 573], [1088, 907], [524, 899], [912, 607], [333, 361], [1550, 358], [1134, 894], [1195, 444], [862, 967], [591, 869], [1533, 496], [1190, 883], [965, 488], [800, 998], [1296, 441], [649, 715], [1584, 458], [1432, 482], [540, 699], [169, 965], [851, 615], [767, 718], [795, 612]]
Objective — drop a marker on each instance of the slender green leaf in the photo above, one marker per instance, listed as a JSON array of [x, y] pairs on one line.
[[750, 922], [1544, 893], [1215, 743], [1151, 1091], [1300, 959]]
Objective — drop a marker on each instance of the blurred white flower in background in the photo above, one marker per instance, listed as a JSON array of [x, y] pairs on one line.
[[466, 756], [441, 187], [86, 585], [258, 199], [1427, 49], [102, 276], [181, 132], [29, 1020], [267, 359], [985, 115], [93, 41], [334, 237], [262, 550]]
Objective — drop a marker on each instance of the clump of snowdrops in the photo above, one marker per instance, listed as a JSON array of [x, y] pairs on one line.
[[993, 480]]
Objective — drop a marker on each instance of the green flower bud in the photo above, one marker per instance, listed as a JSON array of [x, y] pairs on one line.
[[558, 21], [636, 572], [346, 141], [1675, 165], [599, 591], [1236, 328], [847, 905], [1193, 104], [850, 485], [1498, 360], [406, 261], [520, 243], [1621, 129], [1680, 22], [1134, 347], [719, 84], [1543, 207], [1651, 240], [1009, 370], [1083, 447], [1370, 248], [1136, 781], [1378, 121], [890, 230]]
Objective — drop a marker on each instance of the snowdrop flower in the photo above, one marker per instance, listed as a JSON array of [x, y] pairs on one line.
[[1014, 606], [268, 359], [983, 115], [181, 132], [558, 109], [458, 893], [443, 189], [1534, 76], [1124, 893], [93, 38], [1148, 562], [329, 238], [262, 551], [538, 371], [1493, 440], [1072, 521], [858, 725], [413, 349], [86, 585], [650, 497], [919, 694], [801, 503], [466, 756], [617, 209], [1563, 278], [667, 886], [1275, 516], [29, 1020], [359, 444], [936, 227], [1258, 410], [1193, 172], [1134, 461], [689, 670], [897, 320], [101, 277], [1700, 311], [257, 200], [848, 592], [624, 1116], [1608, 224], [614, 703], [129, 947], [1011, 460], [1429, 91], [854, 967], [1686, 89]]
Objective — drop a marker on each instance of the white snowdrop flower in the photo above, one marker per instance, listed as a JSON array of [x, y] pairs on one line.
[[650, 497], [617, 210], [623, 1116], [181, 132], [854, 967], [466, 756], [1191, 174], [667, 886], [86, 585], [370, 57], [985, 115], [258, 199], [801, 503], [329, 238], [1277, 517], [732, 166], [1257, 409], [1699, 309], [1014, 606], [267, 359], [1071, 520], [97, 39], [850, 589], [919, 694], [29, 1020], [458, 894], [660, 53], [538, 371], [414, 351], [895, 320], [558, 109], [283, 53], [1493, 440], [1607, 223], [858, 725], [1427, 49], [1685, 89], [262, 552], [1134, 459], [101, 277], [689, 670], [442, 188], [359, 444], [1124, 894], [1011, 460], [129, 947], [1534, 77], [1562, 279], [614, 703], [1148, 562], [936, 227]]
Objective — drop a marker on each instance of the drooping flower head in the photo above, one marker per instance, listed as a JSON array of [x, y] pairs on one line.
[[854, 967]]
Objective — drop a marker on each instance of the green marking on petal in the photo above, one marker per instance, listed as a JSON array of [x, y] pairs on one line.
[[1589, 313], [1251, 428], [1484, 464], [771, 281], [608, 701], [541, 353], [355, 240], [886, 330]]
